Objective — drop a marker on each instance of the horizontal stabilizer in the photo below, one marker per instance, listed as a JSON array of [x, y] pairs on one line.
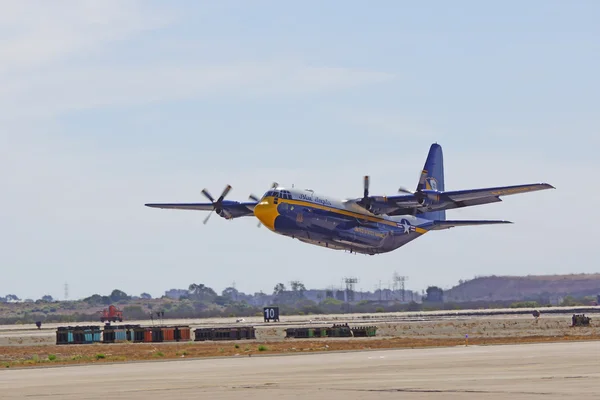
[[439, 225]]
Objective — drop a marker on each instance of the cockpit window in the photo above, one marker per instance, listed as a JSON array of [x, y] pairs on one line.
[[282, 194]]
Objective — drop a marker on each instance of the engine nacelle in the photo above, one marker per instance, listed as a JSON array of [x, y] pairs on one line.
[[223, 213], [431, 195], [424, 201]]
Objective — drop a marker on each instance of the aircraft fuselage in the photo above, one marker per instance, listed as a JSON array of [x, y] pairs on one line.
[[333, 223]]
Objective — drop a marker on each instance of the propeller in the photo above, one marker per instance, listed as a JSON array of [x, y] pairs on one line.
[[419, 185], [218, 204], [255, 198], [366, 200], [405, 190], [421, 194]]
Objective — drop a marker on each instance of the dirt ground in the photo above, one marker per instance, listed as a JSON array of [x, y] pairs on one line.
[[32, 356]]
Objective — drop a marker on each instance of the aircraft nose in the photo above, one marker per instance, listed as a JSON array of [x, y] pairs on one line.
[[266, 212]]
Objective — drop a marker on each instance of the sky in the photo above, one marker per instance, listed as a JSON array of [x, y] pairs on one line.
[[106, 106]]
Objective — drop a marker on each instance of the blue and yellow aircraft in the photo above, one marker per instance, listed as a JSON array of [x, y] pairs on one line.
[[367, 224]]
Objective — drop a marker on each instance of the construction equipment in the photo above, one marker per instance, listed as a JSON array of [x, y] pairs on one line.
[[337, 330], [111, 313], [580, 320]]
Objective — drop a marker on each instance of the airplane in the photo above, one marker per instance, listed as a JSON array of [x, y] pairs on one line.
[[363, 225]]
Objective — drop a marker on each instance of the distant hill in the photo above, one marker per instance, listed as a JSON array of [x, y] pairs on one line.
[[502, 288]]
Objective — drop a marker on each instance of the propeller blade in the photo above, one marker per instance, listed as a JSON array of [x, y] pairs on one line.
[[404, 190], [207, 194], [206, 219], [366, 186], [225, 191], [253, 197]]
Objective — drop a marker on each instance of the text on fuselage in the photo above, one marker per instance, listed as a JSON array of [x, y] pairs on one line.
[[314, 199], [369, 232]]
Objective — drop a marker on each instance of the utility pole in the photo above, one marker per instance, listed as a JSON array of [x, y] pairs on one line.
[[399, 285], [350, 282]]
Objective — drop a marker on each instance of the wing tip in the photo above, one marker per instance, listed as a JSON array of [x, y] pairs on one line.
[[154, 205]]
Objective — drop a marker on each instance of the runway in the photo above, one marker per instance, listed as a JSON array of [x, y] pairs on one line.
[[549, 371]]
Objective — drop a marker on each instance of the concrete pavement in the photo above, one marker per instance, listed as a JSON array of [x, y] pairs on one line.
[[549, 371]]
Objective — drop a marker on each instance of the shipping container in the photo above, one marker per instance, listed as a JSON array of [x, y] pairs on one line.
[[148, 335], [246, 332], [120, 335], [88, 335], [62, 335], [138, 334], [157, 334], [108, 336], [364, 331], [97, 334], [182, 333], [78, 335], [168, 334], [202, 334]]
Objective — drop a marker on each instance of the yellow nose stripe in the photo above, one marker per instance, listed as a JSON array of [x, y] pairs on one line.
[[266, 212]]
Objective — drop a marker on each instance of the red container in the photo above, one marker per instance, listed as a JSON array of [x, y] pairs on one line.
[[168, 334], [148, 335], [185, 333]]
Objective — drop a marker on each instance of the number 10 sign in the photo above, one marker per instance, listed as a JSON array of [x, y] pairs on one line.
[[271, 314]]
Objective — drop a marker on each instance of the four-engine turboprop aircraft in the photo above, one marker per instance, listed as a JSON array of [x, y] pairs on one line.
[[368, 224]]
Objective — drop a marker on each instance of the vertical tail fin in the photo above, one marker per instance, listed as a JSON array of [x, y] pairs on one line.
[[432, 178]]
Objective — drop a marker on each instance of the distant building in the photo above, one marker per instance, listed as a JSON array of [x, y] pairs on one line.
[[176, 293], [555, 300]]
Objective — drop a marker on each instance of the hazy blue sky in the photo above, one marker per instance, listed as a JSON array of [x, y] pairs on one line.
[[109, 105]]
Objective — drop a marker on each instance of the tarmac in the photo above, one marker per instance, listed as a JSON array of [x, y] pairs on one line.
[[527, 371]]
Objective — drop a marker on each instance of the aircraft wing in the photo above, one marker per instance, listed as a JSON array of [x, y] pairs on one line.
[[494, 192], [183, 206], [230, 209], [410, 203]]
